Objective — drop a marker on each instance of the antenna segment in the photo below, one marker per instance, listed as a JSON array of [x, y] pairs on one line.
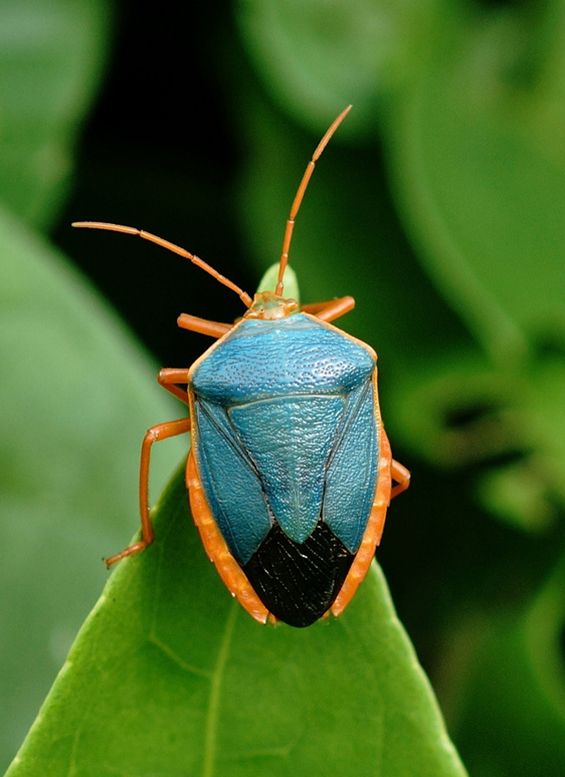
[[300, 195], [244, 297]]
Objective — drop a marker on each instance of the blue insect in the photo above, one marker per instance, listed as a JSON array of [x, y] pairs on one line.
[[290, 472]]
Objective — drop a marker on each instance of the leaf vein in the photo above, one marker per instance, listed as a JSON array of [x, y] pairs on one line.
[[174, 656], [212, 716]]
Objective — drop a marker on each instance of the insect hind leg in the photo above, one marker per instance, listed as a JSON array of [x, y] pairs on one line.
[[154, 434], [402, 476]]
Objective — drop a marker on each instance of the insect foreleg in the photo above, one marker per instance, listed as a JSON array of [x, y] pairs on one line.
[[330, 309]]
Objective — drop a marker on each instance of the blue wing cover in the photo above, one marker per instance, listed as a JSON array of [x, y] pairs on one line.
[[286, 432]]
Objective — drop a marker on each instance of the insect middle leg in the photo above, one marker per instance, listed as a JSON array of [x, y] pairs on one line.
[[154, 434], [203, 326]]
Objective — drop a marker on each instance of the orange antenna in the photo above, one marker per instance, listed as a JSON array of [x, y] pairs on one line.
[[298, 197], [244, 297]]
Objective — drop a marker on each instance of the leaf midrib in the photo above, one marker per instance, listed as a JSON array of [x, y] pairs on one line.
[[212, 716]]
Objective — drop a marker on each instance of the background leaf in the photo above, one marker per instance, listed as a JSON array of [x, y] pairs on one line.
[[492, 711], [51, 59], [314, 56], [478, 125]]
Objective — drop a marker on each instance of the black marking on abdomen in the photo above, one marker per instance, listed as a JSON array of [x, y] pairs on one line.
[[299, 581]]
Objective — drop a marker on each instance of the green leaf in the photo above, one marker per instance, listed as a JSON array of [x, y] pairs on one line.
[[479, 173], [170, 676], [528, 491], [315, 59], [456, 383], [508, 413], [51, 57], [515, 727], [76, 396]]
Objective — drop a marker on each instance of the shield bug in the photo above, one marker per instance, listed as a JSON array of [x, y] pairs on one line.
[[290, 471]]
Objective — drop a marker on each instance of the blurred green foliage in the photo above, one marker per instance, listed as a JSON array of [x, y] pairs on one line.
[[439, 207], [52, 55]]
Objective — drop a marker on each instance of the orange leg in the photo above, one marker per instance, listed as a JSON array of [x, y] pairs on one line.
[[155, 434], [330, 309], [170, 378], [401, 475], [203, 326]]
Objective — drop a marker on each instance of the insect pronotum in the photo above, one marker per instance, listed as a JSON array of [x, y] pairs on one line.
[[290, 471]]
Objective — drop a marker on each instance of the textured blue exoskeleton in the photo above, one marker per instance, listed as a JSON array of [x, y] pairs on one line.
[[286, 441]]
